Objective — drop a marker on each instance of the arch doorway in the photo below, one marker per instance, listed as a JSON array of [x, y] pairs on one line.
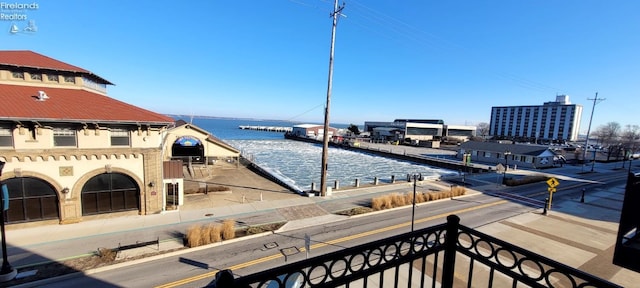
[[110, 192], [31, 199], [189, 149]]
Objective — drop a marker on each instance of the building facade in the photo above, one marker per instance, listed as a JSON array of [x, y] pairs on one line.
[[312, 131], [416, 130], [556, 121], [508, 155], [69, 150]]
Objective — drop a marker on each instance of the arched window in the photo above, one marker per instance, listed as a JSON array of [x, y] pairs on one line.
[[188, 149], [110, 192], [31, 199]]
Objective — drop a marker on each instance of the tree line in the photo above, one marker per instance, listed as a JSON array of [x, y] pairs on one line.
[[614, 137]]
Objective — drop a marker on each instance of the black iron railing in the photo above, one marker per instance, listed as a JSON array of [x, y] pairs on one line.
[[446, 255]]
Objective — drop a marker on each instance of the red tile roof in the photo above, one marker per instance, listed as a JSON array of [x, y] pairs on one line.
[[26, 58], [71, 105]]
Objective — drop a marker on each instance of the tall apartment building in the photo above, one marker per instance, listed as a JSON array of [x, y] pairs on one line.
[[553, 121]]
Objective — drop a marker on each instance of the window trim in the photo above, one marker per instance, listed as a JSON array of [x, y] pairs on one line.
[[6, 133], [120, 134], [65, 134]]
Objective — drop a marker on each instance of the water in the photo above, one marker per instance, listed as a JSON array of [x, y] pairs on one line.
[[300, 161]]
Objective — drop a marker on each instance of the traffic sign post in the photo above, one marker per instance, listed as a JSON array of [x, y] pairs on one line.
[[307, 244], [552, 183]]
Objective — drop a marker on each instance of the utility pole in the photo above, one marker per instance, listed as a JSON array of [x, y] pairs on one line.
[[325, 134], [586, 141]]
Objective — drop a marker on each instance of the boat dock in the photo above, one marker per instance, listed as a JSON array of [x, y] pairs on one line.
[[267, 128]]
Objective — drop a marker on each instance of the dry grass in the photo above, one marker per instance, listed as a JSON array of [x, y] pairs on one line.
[[354, 211], [214, 234], [398, 200], [199, 235], [228, 229], [107, 255], [194, 238]]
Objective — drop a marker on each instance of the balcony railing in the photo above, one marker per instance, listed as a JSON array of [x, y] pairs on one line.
[[446, 255]]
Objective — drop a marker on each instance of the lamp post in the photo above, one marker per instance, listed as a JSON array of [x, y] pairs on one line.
[[413, 209], [465, 159], [506, 164], [6, 272]]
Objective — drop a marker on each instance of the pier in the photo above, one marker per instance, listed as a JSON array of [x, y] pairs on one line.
[[267, 128]]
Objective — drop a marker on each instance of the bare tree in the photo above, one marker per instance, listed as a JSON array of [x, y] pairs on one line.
[[610, 134], [599, 134], [630, 137], [483, 129]]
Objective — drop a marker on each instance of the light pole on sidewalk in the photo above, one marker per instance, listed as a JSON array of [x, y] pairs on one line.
[[506, 164], [413, 209]]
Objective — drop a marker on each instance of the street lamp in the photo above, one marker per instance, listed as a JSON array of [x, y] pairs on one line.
[[6, 272], [413, 209], [506, 164], [465, 159]]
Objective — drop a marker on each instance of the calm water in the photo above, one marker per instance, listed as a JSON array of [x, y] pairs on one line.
[[300, 162]]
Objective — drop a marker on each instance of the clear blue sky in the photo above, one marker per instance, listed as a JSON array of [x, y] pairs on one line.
[[450, 60]]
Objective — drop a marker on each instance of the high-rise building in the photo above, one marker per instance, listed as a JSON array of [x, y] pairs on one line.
[[555, 121]]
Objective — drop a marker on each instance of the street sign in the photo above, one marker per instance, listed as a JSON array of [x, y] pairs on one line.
[[551, 190], [553, 182]]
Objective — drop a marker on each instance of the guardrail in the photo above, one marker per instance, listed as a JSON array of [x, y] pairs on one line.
[[424, 258]]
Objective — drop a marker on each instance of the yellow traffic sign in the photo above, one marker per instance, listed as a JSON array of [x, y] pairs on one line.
[[553, 182], [551, 190]]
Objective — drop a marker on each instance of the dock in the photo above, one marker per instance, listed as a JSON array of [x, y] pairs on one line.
[[267, 128]]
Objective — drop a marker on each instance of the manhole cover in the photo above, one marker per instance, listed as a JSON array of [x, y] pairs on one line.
[[290, 251], [271, 245]]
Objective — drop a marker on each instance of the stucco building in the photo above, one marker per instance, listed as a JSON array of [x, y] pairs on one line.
[[71, 152]]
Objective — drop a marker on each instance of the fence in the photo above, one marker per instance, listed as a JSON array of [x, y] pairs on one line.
[[446, 255]]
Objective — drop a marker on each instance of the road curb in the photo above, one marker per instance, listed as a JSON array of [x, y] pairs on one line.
[[42, 282]]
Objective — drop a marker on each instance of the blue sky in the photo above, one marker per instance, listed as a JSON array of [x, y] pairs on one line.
[[450, 60]]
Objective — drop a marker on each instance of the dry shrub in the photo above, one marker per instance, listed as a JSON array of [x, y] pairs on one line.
[[205, 232], [214, 234], [408, 198], [194, 238], [388, 202], [377, 203], [217, 188], [458, 191], [419, 197], [107, 255], [397, 200], [228, 229]]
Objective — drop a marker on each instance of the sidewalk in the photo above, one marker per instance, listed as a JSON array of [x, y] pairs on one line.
[[581, 235]]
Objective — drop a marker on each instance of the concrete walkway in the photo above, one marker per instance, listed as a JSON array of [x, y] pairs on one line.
[[581, 235]]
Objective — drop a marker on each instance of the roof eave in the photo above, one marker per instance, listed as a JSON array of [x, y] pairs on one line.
[[119, 122]]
